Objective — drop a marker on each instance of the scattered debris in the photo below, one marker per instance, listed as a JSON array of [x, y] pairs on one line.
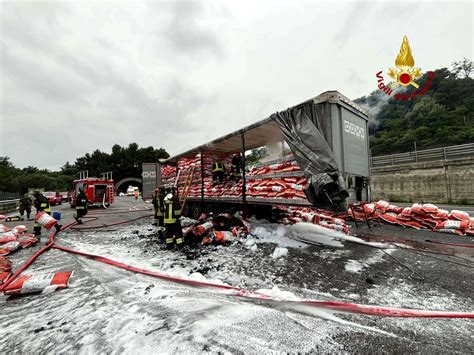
[[326, 219], [38, 283], [418, 216]]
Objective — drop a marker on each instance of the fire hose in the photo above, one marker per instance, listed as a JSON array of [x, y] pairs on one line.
[[94, 218], [239, 292], [103, 202]]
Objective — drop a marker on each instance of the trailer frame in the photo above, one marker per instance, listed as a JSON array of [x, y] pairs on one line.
[[251, 137]]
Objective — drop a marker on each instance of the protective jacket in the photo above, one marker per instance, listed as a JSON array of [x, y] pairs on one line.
[[217, 166], [25, 202], [236, 165], [42, 204], [81, 201], [172, 211]]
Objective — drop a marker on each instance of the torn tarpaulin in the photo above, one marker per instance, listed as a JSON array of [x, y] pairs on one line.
[[326, 188]]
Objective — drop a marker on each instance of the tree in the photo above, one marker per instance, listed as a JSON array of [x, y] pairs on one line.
[[123, 162], [68, 169], [442, 116], [462, 68], [30, 170], [255, 156]]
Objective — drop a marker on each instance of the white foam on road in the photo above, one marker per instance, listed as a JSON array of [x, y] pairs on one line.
[[109, 310], [353, 266], [292, 235], [279, 253], [356, 266]]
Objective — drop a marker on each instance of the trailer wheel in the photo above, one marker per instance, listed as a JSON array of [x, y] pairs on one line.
[[263, 212]]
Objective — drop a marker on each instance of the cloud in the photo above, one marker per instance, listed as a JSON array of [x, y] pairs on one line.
[[354, 18], [80, 76], [185, 32]]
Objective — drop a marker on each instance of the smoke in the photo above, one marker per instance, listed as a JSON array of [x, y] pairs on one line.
[[273, 149], [373, 110]]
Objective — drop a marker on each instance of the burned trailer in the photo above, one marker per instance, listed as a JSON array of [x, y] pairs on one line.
[[318, 156]]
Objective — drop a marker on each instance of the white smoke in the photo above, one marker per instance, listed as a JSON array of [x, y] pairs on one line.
[[273, 151], [374, 110]]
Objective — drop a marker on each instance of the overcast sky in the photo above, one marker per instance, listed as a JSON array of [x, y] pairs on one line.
[[85, 75]]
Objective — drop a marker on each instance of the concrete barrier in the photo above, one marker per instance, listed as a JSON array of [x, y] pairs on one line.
[[444, 181]]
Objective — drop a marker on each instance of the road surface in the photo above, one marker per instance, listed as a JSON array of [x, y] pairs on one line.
[[109, 310]]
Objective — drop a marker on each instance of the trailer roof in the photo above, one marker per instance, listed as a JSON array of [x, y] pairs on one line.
[[259, 133]]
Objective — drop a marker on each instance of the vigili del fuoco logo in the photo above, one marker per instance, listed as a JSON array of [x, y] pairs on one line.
[[405, 75]]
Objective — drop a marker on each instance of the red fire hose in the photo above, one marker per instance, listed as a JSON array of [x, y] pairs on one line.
[[32, 258], [238, 292], [337, 306], [94, 218]]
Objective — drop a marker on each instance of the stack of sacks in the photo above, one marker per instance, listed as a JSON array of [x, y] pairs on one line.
[[275, 168], [326, 219], [418, 216], [222, 229], [285, 187], [168, 174], [187, 165], [290, 187], [11, 240]]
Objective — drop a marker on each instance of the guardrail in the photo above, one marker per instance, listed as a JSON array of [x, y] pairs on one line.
[[9, 205], [444, 153], [8, 195]]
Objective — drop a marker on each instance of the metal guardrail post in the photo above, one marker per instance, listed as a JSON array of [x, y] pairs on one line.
[[444, 154]]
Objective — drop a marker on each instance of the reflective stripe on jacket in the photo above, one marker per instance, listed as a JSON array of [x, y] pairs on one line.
[[172, 213], [42, 204], [217, 167], [81, 201]]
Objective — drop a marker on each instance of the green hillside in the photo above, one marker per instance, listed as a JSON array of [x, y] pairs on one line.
[[443, 116]]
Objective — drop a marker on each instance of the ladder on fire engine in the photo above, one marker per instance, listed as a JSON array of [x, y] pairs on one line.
[[187, 188]]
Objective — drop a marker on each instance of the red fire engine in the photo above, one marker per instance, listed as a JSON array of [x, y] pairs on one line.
[[99, 191]]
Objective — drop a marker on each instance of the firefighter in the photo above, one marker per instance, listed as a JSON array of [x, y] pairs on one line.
[[235, 168], [41, 204], [172, 213], [158, 204], [25, 205], [155, 203], [218, 172], [81, 205]]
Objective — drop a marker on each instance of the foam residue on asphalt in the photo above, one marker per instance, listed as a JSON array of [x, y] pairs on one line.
[[110, 310]]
